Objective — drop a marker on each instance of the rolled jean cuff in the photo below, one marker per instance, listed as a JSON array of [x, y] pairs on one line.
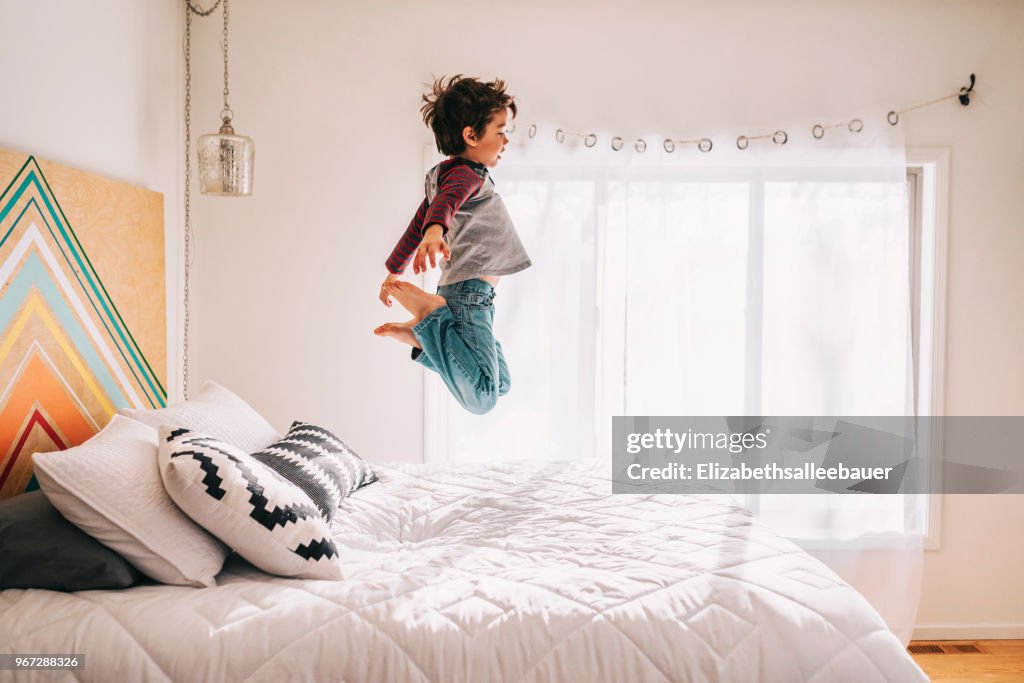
[[427, 321], [417, 354]]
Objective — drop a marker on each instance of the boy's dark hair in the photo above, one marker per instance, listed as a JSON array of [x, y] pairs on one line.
[[461, 102]]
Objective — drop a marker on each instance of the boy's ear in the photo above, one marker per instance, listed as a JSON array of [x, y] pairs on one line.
[[469, 136]]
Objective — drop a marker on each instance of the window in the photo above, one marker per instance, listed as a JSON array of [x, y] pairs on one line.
[[663, 290]]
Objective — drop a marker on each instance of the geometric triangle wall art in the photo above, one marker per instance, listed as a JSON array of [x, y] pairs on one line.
[[83, 317]]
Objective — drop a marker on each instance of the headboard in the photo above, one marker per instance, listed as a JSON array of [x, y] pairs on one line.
[[83, 321]]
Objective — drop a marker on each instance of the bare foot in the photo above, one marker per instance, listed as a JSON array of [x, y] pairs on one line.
[[414, 299], [400, 331]]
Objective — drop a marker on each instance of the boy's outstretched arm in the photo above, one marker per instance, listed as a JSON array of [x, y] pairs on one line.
[[400, 256], [403, 251], [425, 235], [456, 184]]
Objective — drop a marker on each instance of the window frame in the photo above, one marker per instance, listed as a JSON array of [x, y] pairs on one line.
[[929, 169]]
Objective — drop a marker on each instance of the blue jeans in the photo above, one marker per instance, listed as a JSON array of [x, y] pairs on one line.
[[458, 344]]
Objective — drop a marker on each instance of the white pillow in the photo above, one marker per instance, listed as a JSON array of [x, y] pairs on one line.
[[264, 517], [217, 412], [110, 488]]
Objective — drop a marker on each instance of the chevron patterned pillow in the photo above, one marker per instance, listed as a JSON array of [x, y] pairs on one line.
[[319, 463], [265, 518]]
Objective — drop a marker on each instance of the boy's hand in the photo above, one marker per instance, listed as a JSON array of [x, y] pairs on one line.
[[433, 244], [384, 298]]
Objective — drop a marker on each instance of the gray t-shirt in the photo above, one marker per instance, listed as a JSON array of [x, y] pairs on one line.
[[482, 238]]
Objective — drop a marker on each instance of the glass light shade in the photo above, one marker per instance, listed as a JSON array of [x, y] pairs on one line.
[[226, 162]]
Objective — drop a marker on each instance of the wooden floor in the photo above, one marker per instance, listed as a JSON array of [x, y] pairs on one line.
[[1002, 661]]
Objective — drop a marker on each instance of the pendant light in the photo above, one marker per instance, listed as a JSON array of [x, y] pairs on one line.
[[225, 165], [226, 158]]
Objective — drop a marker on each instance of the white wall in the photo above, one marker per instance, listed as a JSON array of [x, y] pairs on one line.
[[286, 280], [95, 85]]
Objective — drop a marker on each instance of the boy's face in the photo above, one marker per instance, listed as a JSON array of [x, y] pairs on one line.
[[487, 148]]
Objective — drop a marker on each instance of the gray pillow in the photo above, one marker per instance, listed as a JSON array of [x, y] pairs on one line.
[[41, 549]]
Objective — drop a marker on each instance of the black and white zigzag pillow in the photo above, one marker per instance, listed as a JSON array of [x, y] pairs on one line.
[[262, 516], [319, 463]]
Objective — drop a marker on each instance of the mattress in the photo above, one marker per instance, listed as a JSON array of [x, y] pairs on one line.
[[490, 572]]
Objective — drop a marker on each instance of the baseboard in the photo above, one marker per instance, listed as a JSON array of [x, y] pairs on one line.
[[968, 631]]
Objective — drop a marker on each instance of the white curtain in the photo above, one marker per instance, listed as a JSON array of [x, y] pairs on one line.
[[774, 280]]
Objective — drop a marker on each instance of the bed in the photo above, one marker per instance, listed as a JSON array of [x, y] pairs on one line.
[[490, 572]]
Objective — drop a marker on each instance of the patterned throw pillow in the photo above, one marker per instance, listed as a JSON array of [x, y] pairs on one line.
[[266, 519], [319, 463]]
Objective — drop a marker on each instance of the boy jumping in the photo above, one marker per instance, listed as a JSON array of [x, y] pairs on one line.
[[463, 220]]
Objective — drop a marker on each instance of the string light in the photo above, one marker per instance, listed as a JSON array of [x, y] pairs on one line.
[[640, 145], [704, 144], [779, 137], [589, 139], [854, 126], [964, 95]]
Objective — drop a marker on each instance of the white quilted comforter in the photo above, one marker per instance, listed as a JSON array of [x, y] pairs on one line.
[[514, 572]]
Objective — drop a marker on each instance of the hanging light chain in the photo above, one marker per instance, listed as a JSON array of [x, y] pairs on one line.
[[203, 12], [226, 112], [190, 8], [226, 116]]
